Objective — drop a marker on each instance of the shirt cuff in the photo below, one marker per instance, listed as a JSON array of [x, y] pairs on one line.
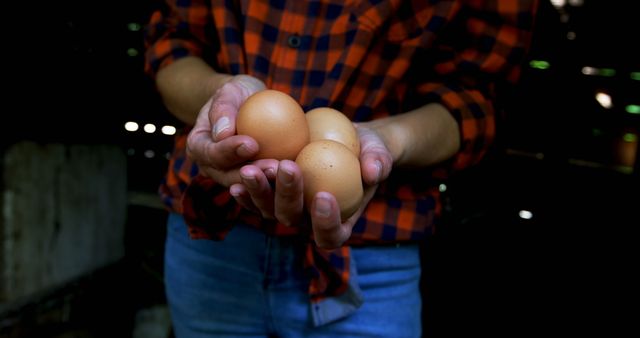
[[475, 116]]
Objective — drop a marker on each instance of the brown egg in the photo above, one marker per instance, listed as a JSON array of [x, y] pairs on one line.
[[330, 124], [330, 166], [276, 121]]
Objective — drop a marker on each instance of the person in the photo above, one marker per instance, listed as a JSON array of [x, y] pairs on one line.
[[421, 80]]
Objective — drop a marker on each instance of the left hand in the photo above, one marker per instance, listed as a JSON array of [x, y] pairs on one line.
[[285, 202], [376, 163]]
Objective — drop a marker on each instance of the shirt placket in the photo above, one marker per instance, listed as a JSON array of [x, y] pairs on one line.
[[288, 49]]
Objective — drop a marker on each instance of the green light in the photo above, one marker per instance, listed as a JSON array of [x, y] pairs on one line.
[[630, 137], [132, 52], [633, 109], [635, 76], [134, 26], [596, 132], [539, 64], [607, 72]]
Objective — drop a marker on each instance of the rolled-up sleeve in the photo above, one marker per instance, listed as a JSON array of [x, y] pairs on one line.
[[176, 29], [472, 66]]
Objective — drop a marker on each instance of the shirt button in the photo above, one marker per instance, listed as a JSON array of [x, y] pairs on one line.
[[294, 41]]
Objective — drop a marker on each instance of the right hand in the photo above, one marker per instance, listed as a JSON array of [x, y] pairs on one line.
[[213, 143], [226, 157]]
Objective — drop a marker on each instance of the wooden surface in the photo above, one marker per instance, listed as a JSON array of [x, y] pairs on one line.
[[63, 214]]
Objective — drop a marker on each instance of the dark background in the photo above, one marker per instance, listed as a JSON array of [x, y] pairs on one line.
[[571, 162]]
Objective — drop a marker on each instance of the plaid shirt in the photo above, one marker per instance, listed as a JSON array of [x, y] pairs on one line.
[[368, 59]]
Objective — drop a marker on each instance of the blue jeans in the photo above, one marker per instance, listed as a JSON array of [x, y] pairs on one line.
[[253, 285]]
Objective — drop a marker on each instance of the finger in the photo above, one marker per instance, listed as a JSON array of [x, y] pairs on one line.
[[241, 195], [259, 189], [225, 178], [289, 201], [227, 153], [376, 161], [268, 166], [218, 155], [227, 102], [329, 232], [372, 169], [224, 109]]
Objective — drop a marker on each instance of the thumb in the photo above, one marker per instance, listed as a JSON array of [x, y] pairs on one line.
[[227, 101]]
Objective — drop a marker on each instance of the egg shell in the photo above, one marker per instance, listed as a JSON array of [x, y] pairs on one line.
[[326, 123], [330, 166], [276, 121]]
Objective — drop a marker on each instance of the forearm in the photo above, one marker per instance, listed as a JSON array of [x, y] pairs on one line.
[[185, 86], [419, 138]]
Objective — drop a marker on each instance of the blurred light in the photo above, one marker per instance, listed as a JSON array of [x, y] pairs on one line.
[[525, 214], [558, 3], [167, 155], [630, 137], [539, 64], [576, 3], [134, 26], [149, 128], [168, 130], [131, 151], [608, 72], [604, 100], [635, 76], [132, 52], [131, 126], [442, 187], [149, 153], [633, 109], [537, 156], [571, 35], [625, 150], [597, 132]]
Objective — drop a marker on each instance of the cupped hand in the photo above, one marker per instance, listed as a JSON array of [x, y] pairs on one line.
[[213, 143], [224, 156], [281, 200], [376, 163]]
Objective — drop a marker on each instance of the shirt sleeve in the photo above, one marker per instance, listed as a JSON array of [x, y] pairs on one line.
[[485, 54], [178, 29]]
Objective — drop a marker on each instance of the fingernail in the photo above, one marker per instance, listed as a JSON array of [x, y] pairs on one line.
[[220, 126], [235, 190], [378, 169], [270, 173], [323, 207], [286, 177], [242, 150]]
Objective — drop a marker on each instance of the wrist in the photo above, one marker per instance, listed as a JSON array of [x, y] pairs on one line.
[[215, 81], [392, 136], [248, 83]]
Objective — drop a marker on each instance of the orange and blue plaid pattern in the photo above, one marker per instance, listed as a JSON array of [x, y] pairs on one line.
[[368, 59]]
